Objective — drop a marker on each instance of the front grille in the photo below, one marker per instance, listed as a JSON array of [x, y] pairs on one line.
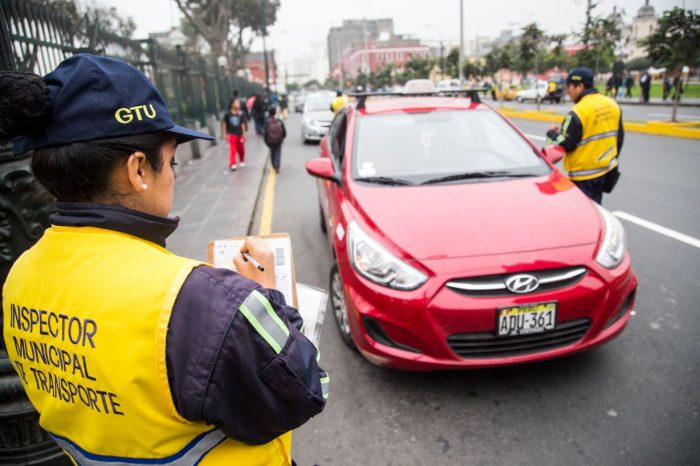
[[488, 345], [495, 285]]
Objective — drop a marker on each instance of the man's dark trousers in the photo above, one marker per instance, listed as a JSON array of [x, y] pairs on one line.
[[276, 156], [592, 188]]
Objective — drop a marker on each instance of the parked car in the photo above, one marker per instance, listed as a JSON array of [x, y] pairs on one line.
[[456, 243], [317, 116], [299, 101], [536, 92]]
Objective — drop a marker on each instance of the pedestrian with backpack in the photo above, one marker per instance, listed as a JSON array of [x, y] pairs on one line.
[[275, 133]]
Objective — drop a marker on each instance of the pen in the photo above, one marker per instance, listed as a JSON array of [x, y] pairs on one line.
[[250, 259]]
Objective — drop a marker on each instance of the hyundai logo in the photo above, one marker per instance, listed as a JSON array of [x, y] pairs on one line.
[[522, 283]]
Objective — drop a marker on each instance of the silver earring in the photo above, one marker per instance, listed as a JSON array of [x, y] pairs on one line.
[[144, 186]]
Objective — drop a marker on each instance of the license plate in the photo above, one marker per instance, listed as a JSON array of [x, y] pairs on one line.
[[526, 319]]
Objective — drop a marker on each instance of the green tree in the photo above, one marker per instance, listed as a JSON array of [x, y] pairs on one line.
[[418, 68], [471, 70], [229, 26], [451, 63], [382, 77], [557, 57], [675, 44], [530, 50], [638, 64], [599, 38]]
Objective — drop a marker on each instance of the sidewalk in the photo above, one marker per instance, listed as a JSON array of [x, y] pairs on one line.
[[213, 202]]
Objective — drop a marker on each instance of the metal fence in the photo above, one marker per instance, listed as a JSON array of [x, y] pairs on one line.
[[36, 36]]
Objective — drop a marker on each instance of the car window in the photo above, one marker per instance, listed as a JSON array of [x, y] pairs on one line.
[[336, 137], [426, 145], [317, 104]]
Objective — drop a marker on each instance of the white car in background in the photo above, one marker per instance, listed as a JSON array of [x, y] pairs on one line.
[[449, 85], [317, 116], [536, 92]]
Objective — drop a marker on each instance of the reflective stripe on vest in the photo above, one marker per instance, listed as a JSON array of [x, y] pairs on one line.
[[325, 383], [259, 313], [191, 454], [595, 171], [595, 137]]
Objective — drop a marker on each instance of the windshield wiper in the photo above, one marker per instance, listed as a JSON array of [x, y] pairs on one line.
[[473, 175], [385, 180]]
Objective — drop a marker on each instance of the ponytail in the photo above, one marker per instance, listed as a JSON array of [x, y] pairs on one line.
[[25, 103]]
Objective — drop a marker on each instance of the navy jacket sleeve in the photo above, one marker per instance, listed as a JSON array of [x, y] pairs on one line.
[[224, 371], [570, 134]]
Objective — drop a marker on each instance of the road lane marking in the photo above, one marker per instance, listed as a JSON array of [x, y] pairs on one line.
[[658, 228], [536, 137], [268, 202]]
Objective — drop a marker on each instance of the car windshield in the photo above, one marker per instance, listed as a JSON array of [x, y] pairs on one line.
[[425, 147], [316, 104]]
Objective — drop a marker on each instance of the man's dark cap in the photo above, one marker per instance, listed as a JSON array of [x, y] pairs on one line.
[[96, 98], [580, 75]]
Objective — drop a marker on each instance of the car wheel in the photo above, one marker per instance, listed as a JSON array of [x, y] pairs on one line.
[[519, 99], [340, 311], [322, 218]]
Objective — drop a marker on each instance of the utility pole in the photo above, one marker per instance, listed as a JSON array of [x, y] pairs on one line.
[[461, 41], [264, 33]]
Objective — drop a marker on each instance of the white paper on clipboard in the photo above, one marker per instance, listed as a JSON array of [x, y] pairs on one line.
[[224, 250], [312, 308]]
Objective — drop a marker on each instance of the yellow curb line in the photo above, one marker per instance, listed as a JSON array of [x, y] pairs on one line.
[[658, 128], [268, 202]]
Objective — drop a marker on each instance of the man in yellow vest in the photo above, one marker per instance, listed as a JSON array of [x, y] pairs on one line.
[[592, 136], [339, 101], [130, 353]]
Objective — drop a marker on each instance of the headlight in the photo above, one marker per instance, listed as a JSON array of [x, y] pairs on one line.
[[374, 262], [612, 249]]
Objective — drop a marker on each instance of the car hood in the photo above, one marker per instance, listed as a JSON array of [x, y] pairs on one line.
[[476, 219], [321, 115]]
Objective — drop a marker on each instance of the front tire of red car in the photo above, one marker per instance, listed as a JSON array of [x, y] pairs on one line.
[[338, 307]]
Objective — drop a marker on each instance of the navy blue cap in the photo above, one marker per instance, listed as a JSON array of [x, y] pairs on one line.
[[98, 97], [580, 75]]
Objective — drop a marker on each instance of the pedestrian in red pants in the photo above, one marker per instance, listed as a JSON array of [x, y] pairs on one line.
[[233, 128]]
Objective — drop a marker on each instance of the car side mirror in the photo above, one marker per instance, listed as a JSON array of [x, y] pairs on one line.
[[553, 153], [322, 168]]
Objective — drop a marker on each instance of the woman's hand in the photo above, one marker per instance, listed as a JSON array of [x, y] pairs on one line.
[[261, 252]]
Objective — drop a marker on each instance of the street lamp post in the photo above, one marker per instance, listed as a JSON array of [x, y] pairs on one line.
[[461, 41]]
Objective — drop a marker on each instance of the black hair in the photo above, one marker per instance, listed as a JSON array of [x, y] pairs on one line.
[[272, 111], [235, 93], [74, 172]]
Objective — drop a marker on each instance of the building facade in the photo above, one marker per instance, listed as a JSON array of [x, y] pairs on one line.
[[353, 34], [643, 25], [380, 54]]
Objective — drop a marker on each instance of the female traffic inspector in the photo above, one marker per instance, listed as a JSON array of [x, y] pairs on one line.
[[184, 363]]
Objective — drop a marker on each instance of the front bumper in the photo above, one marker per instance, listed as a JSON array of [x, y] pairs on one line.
[[412, 330]]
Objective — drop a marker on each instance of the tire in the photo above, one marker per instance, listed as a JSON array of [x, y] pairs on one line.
[[322, 218], [340, 312]]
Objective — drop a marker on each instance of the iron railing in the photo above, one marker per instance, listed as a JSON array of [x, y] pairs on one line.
[[42, 35]]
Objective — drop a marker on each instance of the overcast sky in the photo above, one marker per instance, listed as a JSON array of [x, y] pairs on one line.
[[302, 25]]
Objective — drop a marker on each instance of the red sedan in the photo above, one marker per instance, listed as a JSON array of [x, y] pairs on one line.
[[458, 244]]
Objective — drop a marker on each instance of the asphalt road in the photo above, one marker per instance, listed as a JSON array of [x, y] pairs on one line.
[[633, 401], [629, 112]]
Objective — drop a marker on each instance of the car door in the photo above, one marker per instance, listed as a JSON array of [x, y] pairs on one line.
[[333, 191]]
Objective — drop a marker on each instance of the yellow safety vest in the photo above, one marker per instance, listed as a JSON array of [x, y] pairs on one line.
[[86, 314], [338, 103], [596, 153]]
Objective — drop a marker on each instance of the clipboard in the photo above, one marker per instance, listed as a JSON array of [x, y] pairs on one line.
[[220, 253]]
